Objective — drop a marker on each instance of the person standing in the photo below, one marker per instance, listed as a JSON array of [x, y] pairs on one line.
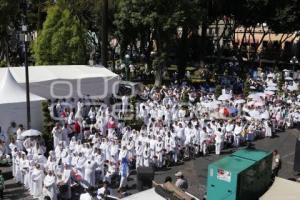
[[218, 141], [237, 134], [65, 183], [57, 134], [146, 155], [124, 171], [124, 104], [37, 177], [89, 172], [275, 163], [50, 187], [139, 154]]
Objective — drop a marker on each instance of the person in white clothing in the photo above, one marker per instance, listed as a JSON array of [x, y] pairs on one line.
[[86, 195], [139, 154], [124, 104], [89, 172], [218, 141], [37, 178], [57, 134], [50, 187], [237, 134]]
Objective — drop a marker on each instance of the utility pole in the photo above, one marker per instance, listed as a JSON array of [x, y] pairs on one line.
[[104, 33], [25, 40]]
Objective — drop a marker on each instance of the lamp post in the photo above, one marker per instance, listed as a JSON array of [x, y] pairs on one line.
[[25, 39], [104, 33], [294, 61], [127, 59]]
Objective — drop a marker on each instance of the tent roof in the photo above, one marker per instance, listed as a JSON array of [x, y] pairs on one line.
[[145, 195], [55, 72], [11, 91], [282, 189]]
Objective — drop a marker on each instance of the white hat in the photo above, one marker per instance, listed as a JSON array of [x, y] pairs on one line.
[[179, 173]]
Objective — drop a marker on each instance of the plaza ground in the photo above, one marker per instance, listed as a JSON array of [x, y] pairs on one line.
[[194, 170]]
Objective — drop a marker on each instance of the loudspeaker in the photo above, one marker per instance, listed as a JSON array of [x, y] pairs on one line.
[[144, 177], [297, 157]]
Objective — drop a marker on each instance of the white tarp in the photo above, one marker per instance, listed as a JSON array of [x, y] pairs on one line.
[[66, 81], [13, 103], [282, 189], [147, 194]]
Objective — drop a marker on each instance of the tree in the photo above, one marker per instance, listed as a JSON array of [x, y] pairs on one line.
[[63, 40], [8, 23], [155, 24]]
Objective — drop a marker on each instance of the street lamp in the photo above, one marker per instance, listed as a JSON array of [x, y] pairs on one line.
[[127, 60], [294, 61], [25, 39]]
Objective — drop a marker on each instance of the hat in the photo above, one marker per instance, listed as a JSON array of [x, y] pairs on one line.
[[179, 174]]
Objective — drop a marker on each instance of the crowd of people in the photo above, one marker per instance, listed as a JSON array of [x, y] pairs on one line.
[[92, 145]]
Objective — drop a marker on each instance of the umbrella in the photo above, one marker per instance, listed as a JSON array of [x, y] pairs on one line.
[[31, 132], [285, 70], [255, 95], [288, 78], [269, 93], [239, 101], [252, 87], [224, 111], [254, 114], [272, 88], [259, 104], [250, 103], [212, 104], [271, 84], [224, 97], [291, 88], [265, 115]]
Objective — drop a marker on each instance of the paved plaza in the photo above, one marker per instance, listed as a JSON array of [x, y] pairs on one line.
[[195, 170]]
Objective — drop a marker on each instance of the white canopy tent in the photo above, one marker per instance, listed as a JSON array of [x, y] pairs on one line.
[[282, 189], [66, 81], [13, 103]]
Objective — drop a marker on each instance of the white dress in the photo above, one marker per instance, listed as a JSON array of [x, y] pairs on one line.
[[37, 183], [50, 188], [268, 129], [89, 172]]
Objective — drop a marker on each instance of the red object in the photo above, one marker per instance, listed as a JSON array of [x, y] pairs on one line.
[[226, 112], [77, 127], [111, 124]]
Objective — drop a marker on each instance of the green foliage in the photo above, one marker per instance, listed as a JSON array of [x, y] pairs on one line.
[[3, 63], [246, 89], [280, 83], [135, 123], [48, 124], [8, 23], [62, 40], [218, 90]]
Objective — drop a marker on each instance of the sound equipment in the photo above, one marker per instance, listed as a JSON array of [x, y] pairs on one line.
[[144, 177], [297, 157]]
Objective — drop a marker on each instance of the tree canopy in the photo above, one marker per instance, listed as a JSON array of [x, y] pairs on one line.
[[63, 40]]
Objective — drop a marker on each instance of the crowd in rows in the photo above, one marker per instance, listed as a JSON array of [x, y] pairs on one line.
[[91, 145]]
